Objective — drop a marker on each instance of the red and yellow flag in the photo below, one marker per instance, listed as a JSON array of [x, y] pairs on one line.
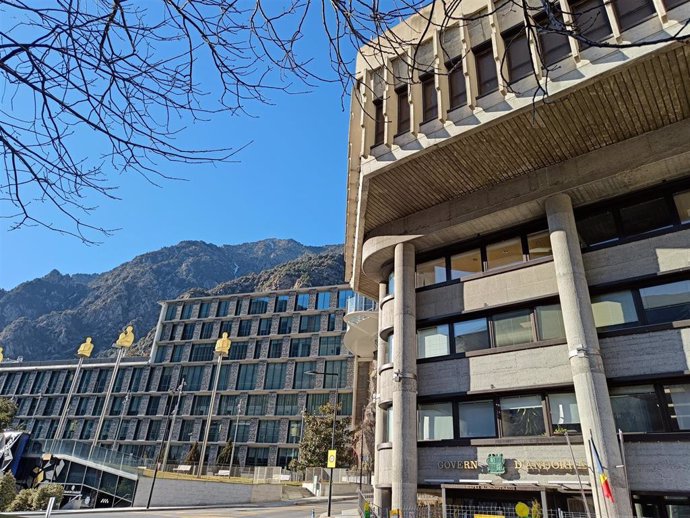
[[603, 479]]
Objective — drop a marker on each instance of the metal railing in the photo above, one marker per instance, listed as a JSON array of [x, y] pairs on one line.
[[360, 303], [98, 455]]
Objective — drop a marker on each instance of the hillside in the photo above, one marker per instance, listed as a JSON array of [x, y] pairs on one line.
[[47, 318]]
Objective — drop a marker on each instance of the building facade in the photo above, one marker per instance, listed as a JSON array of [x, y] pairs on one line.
[[264, 385], [531, 260]]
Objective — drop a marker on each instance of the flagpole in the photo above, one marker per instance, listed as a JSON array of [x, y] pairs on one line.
[[593, 452], [577, 473], [625, 464], [595, 489]]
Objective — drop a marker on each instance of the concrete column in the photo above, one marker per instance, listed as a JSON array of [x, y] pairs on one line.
[[379, 424], [591, 391], [404, 424]]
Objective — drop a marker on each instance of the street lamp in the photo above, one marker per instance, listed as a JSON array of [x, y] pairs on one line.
[[335, 417]]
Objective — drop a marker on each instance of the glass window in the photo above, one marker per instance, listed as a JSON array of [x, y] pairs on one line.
[[200, 405], [245, 328], [186, 311], [487, 77], [431, 272], [223, 307], [429, 98], [465, 263], [614, 309], [636, 409], [477, 419], [238, 350], [206, 330], [275, 348], [227, 405], [264, 327], [188, 331], [632, 12], [518, 53], [591, 20], [285, 325], [225, 327], [316, 401], [403, 109], [471, 335], [268, 431], [257, 349], [192, 377], [456, 84], [323, 300], [329, 345], [390, 286], [242, 431], [645, 216], [389, 349], [246, 377], [432, 341], [682, 202], [678, 397], [302, 302], [294, 432], [286, 404], [539, 244], [281, 303], [554, 47], [379, 122], [343, 295], [300, 347], [512, 328], [285, 456], [435, 422], [275, 376], [239, 303], [204, 309], [170, 312], [564, 413], [257, 457], [302, 379], [331, 322], [309, 323], [201, 352], [550, 322], [344, 404], [256, 404], [667, 302], [387, 424], [336, 367], [522, 415], [597, 229], [258, 305], [504, 253]]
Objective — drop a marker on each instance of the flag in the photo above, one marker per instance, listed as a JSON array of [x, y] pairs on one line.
[[603, 479]]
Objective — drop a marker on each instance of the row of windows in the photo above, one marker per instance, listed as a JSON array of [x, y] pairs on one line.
[[618, 220], [258, 305], [661, 303], [590, 19], [644, 408], [297, 347], [264, 327]]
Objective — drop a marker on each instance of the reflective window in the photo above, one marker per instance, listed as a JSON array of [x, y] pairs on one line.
[[275, 348], [636, 409], [329, 345], [512, 328], [186, 311], [504, 253], [264, 327], [238, 350], [281, 303], [429, 98], [302, 379], [432, 341], [471, 335], [275, 376], [682, 203], [591, 20], [554, 47], [614, 309], [300, 347], [403, 109], [390, 286], [539, 244], [316, 401], [206, 331], [390, 348], [678, 397], [204, 309], [435, 422], [344, 404], [239, 303], [343, 295], [286, 404], [338, 367], [256, 457], [549, 322], [632, 12], [223, 308], [256, 404], [522, 416], [285, 325], [309, 323], [487, 77], [597, 229], [431, 272], [518, 53], [379, 122], [245, 328], [466, 263], [302, 302], [564, 413], [667, 302], [477, 419], [645, 216], [246, 377], [456, 84], [188, 331], [258, 305], [268, 431], [201, 352], [323, 300]]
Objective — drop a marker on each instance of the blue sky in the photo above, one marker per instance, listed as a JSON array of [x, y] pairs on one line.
[[289, 183]]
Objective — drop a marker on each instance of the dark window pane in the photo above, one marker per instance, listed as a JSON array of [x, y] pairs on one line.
[[636, 409], [456, 83], [471, 335], [666, 303], [591, 20], [645, 217], [518, 54], [403, 110], [549, 322], [486, 69], [554, 47], [678, 397], [670, 4], [477, 419], [597, 229], [522, 415], [632, 12], [379, 123], [614, 309], [429, 99]]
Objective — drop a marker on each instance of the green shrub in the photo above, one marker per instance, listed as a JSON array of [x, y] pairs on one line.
[[44, 493], [24, 501], [8, 490]]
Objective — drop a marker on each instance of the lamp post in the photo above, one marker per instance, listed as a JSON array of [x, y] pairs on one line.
[[84, 351], [222, 351], [124, 342], [234, 439], [335, 417], [125, 404], [166, 438], [178, 391]]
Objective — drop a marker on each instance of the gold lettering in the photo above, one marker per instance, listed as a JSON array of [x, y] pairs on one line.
[[518, 464]]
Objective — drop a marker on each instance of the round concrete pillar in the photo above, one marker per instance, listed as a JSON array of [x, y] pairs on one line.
[[404, 420], [589, 379]]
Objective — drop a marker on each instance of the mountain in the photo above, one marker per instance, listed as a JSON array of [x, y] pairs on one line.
[[47, 318]]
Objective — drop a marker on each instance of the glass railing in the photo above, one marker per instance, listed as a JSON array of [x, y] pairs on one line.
[[360, 303], [98, 455]]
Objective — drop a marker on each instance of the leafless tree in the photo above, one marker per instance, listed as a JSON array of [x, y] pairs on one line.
[[128, 73]]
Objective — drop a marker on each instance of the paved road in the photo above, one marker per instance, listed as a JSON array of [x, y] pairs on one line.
[[302, 510]]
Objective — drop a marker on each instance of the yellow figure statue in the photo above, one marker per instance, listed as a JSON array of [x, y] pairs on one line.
[[85, 349], [223, 345], [2, 353], [126, 338]]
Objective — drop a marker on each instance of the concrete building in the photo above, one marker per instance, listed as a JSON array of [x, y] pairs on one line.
[[531, 259], [277, 337]]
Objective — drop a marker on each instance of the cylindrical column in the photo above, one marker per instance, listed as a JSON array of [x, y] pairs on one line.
[[379, 423], [404, 425], [589, 379]]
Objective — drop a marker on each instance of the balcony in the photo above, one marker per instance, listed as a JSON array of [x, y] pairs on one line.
[[362, 326]]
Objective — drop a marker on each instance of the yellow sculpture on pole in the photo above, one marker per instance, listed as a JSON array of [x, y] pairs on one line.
[[126, 338], [2, 355], [223, 345], [85, 349]]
